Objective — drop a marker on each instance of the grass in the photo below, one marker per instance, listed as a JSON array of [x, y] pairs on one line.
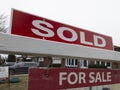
[[22, 85]]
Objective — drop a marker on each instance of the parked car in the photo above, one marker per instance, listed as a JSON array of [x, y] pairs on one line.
[[8, 63], [21, 67]]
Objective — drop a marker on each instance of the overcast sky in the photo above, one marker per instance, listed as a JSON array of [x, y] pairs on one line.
[[101, 16]]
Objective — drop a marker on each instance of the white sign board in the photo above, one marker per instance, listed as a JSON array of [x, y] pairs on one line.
[[3, 72]]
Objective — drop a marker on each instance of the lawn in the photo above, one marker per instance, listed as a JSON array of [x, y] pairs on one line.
[[22, 85]]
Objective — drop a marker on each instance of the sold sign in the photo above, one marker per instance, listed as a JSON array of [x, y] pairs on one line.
[[37, 27]]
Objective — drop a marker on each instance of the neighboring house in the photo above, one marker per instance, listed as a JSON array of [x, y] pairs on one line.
[[69, 62], [78, 63]]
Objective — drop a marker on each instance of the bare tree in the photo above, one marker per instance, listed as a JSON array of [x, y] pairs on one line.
[[3, 23]]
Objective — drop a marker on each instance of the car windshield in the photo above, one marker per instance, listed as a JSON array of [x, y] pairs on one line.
[[30, 64]]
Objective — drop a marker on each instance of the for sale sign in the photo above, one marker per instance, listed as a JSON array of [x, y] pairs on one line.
[[41, 28], [63, 78]]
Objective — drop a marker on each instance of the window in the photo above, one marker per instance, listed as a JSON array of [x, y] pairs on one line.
[[56, 60], [108, 64], [30, 64], [71, 62], [26, 65], [97, 62], [76, 62], [102, 62], [84, 63]]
